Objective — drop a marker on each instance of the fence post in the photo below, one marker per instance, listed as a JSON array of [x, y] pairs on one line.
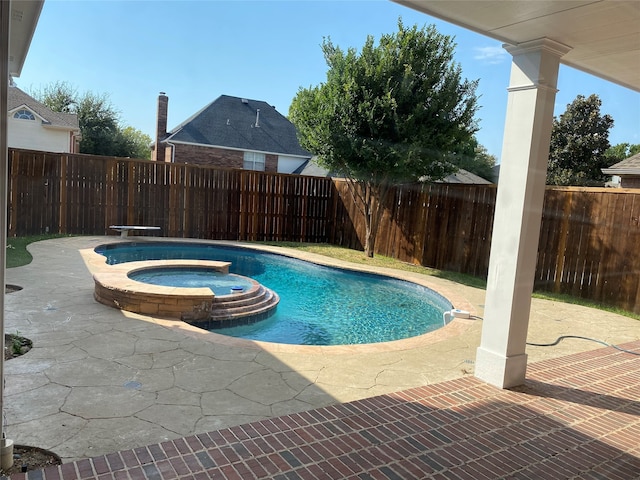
[[131, 190], [13, 187], [242, 227], [62, 228]]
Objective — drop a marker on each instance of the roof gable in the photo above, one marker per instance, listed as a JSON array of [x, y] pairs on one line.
[[233, 122], [12, 112], [628, 166], [17, 99]]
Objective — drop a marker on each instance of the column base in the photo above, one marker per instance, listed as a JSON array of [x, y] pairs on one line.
[[500, 371]]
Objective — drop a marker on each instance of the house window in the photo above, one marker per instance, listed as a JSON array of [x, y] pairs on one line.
[[253, 161], [24, 115]]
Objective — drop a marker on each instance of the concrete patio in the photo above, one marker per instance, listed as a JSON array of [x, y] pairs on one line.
[[100, 381]]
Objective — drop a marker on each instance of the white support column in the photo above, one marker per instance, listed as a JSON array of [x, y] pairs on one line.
[[5, 15], [501, 359]]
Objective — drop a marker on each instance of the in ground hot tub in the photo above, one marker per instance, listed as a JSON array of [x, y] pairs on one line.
[[220, 283], [196, 291]]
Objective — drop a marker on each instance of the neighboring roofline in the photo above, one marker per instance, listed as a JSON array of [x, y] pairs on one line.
[[621, 171], [22, 100], [177, 129], [45, 123], [224, 147], [628, 166]]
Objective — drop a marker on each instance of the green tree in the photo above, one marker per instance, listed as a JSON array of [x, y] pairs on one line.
[[134, 143], [476, 159], [98, 121], [621, 151], [102, 133], [394, 112], [579, 142], [58, 96]]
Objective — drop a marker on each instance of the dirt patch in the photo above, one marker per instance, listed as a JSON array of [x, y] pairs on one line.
[[26, 458], [15, 345]]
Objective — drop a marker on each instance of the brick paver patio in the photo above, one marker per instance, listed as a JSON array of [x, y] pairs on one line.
[[576, 417]]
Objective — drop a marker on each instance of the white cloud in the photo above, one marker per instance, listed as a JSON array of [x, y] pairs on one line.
[[491, 55]]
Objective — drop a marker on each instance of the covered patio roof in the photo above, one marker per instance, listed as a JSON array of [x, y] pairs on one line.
[[23, 21], [604, 35]]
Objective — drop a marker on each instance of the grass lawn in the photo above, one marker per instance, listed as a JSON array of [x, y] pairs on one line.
[[17, 255]]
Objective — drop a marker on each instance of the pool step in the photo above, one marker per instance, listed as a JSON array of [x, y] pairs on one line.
[[240, 308], [245, 298], [260, 301]]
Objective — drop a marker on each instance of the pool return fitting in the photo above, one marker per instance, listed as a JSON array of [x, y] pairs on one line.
[[454, 313]]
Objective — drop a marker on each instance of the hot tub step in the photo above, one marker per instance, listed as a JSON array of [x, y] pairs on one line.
[[260, 303], [240, 299], [240, 309]]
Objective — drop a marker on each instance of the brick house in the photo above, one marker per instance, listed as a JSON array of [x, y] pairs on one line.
[[34, 126], [230, 132], [628, 170]]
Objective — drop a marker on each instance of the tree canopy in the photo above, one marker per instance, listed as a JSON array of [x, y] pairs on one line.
[[579, 142], [102, 132], [393, 112], [476, 159], [621, 151], [58, 96]]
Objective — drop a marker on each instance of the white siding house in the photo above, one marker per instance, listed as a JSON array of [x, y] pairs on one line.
[[32, 125], [288, 164]]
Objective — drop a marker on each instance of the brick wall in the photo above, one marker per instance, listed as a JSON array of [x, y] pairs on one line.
[[197, 155], [158, 153], [217, 157], [271, 163], [629, 181]]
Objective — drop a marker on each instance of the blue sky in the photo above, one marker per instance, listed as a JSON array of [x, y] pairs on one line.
[[262, 50]]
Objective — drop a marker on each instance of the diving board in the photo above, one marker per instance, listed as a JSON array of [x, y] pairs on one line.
[[124, 229]]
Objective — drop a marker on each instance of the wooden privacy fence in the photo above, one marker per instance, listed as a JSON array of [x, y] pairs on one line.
[[441, 225], [589, 238], [83, 194], [590, 245]]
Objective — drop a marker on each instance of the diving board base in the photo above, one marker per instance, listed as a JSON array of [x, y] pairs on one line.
[[125, 229]]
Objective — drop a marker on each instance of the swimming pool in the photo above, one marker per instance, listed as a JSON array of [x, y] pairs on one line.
[[319, 305]]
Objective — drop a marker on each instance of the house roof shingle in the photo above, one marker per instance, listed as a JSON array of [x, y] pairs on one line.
[[233, 122], [628, 166], [17, 98], [468, 178]]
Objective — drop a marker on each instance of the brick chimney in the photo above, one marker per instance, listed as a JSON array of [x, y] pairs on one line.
[[159, 153]]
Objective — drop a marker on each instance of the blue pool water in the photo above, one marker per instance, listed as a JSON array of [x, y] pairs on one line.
[[219, 283], [318, 305]]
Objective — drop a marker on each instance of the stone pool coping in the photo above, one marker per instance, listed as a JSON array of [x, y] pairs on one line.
[[96, 264], [115, 288]]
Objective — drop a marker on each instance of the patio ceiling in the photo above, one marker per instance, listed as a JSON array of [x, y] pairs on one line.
[[604, 35], [23, 21]]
